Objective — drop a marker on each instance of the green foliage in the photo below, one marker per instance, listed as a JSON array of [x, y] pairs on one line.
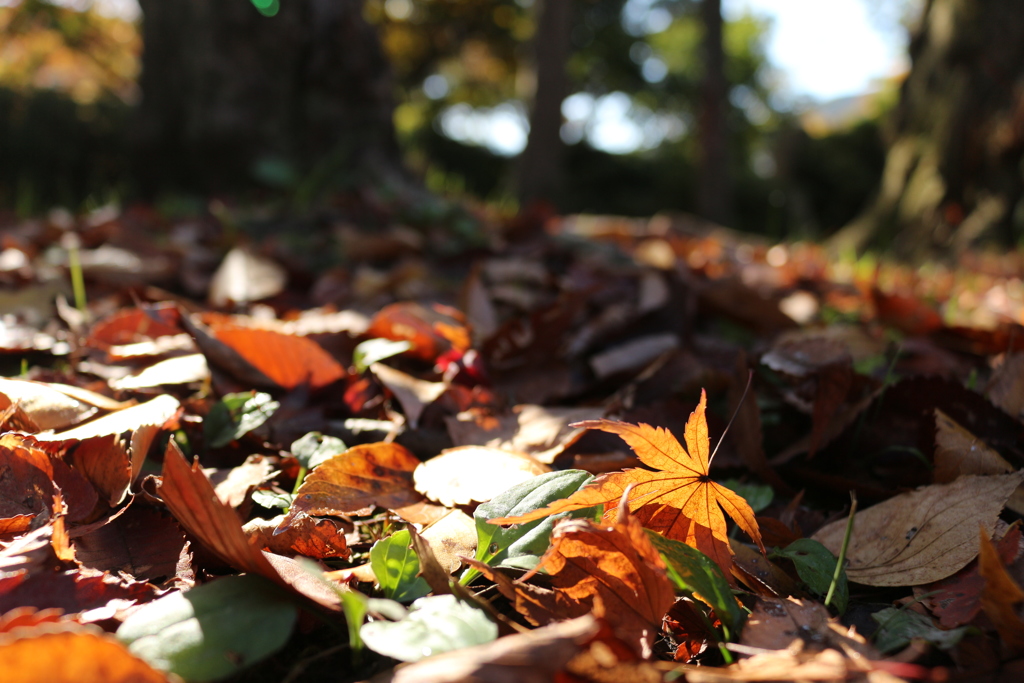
[[437, 624], [696, 573], [515, 544], [211, 631], [396, 567], [897, 627], [816, 565], [235, 415], [758, 496], [313, 448]]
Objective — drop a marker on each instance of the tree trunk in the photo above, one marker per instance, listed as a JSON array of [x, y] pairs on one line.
[[227, 91], [953, 171], [542, 167], [715, 187]]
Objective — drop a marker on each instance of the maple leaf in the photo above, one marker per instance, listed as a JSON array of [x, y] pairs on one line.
[[678, 500]]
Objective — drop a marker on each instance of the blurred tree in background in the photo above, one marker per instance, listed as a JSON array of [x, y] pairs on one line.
[[605, 106]]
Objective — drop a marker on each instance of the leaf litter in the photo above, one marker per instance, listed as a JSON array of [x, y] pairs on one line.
[[499, 439]]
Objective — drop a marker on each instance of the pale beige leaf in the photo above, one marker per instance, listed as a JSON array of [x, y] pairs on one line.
[[924, 535], [463, 475], [48, 407], [180, 370], [959, 452], [541, 432], [412, 393]]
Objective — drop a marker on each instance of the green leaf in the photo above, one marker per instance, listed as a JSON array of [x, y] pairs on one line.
[[758, 496], [235, 415], [499, 545], [816, 565], [272, 499], [374, 350], [313, 448], [396, 566], [440, 623], [897, 627], [695, 572], [211, 631]]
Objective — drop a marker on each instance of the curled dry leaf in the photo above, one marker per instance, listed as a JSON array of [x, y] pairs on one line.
[[144, 421], [191, 499], [361, 477], [460, 476], [27, 487], [264, 358], [614, 569], [921, 536], [46, 406], [412, 393], [307, 536], [541, 432], [678, 500], [1001, 596], [71, 654], [958, 452]]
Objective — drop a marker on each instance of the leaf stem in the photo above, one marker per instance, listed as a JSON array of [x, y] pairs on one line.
[[842, 550], [750, 379]]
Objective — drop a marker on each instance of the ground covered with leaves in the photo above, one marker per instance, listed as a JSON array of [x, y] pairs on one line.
[[358, 446]]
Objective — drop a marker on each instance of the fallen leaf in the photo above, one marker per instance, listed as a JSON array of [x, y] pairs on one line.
[[451, 538], [105, 461], [179, 370], [431, 331], [678, 500], [413, 394], [774, 624], [213, 630], [460, 476], [313, 537], [1001, 596], [361, 477], [541, 432], [616, 567], [920, 536], [135, 324], [46, 406], [264, 358], [1006, 388], [144, 421], [26, 487], [72, 654], [144, 542], [956, 600], [190, 497], [436, 624], [73, 591], [536, 656], [959, 452], [245, 276]]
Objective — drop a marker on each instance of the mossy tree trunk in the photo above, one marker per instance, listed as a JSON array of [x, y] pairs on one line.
[[231, 97], [953, 173]]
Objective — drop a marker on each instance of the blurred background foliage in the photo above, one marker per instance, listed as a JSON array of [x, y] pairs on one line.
[[464, 73]]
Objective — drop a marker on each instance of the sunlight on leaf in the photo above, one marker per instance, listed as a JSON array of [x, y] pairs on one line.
[[396, 567]]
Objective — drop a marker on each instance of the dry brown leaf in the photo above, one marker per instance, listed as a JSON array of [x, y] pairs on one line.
[[144, 421], [921, 536], [541, 432], [451, 538], [361, 477], [1001, 596], [1006, 388], [460, 476], [104, 461], [318, 538], [958, 452], [26, 487], [72, 654], [45, 405], [412, 393], [776, 623], [614, 569], [678, 500], [191, 499]]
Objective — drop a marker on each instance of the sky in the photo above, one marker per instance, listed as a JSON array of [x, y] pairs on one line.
[[826, 49]]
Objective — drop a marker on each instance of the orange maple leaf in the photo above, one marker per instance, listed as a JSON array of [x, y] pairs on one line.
[[679, 500]]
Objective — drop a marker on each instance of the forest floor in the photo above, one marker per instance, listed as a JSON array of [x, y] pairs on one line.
[[576, 448]]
